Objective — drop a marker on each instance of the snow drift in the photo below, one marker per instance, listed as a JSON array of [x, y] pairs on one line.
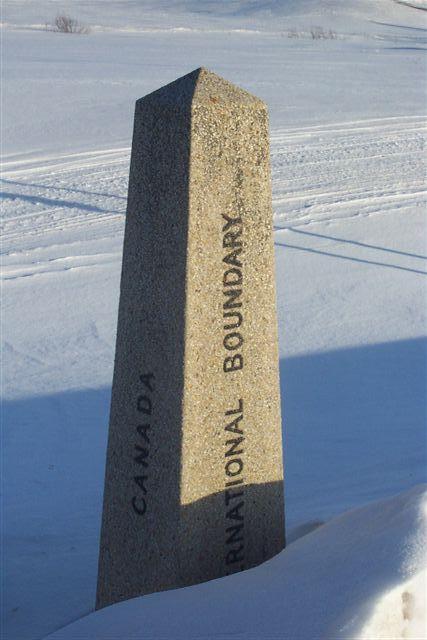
[[362, 575]]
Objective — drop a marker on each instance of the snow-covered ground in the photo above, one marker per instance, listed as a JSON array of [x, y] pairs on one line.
[[294, 596], [347, 134]]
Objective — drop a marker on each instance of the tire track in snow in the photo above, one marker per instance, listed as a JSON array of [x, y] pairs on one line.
[[364, 168], [320, 173], [53, 265]]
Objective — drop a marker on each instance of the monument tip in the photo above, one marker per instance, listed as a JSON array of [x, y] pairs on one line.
[[202, 86]]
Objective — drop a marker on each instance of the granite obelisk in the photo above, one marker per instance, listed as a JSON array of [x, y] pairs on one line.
[[194, 474]]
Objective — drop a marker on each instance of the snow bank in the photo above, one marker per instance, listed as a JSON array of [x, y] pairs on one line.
[[401, 611], [362, 575]]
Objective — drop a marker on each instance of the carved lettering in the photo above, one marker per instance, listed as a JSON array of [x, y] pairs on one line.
[[233, 426], [234, 449], [230, 239], [232, 295], [234, 467], [230, 222], [141, 455], [139, 505], [233, 341], [236, 534], [232, 281], [234, 498], [234, 513], [235, 555], [144, 405], [142, 430], [233, 363], [232, 277], [233, 314], [146, 378], [231, 258], [231, 495], [140, 482]]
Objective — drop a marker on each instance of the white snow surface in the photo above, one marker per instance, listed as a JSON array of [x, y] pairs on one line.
[[348, 168], [294, 596]]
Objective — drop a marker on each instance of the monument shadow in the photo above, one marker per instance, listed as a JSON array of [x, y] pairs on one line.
[[354, 429]]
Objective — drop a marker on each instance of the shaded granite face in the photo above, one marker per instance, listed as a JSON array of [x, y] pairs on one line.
[[194, 475]]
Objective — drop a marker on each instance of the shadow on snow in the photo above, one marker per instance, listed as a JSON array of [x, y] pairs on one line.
[[353, 422]]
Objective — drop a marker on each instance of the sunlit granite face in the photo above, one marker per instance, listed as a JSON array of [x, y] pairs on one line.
[[194, 475]]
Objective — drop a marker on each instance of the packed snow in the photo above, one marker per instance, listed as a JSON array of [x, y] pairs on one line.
[[293, 596], [348, 169]]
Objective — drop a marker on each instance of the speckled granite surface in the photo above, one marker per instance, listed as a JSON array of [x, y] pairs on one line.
[[194, 476]]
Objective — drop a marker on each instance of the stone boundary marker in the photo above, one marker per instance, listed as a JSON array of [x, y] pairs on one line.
[[194, 475]]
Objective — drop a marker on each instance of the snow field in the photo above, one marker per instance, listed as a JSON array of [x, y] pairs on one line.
[[351, 356], [348, 168]]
